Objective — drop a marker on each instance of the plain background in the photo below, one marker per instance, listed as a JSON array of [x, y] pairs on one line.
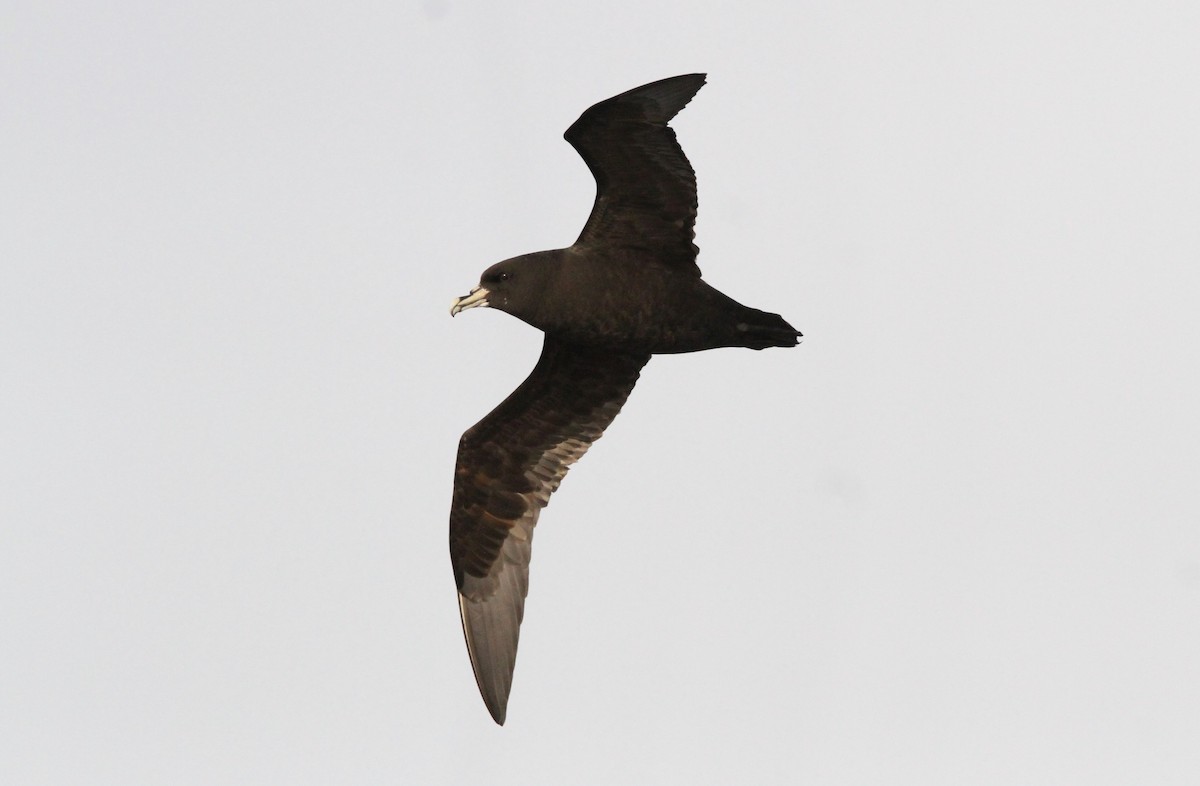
[[952, 538]]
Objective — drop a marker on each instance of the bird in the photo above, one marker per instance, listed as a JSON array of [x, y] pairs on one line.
[[627, 289]]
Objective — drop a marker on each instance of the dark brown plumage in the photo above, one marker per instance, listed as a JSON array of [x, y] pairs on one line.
[[628, 288]]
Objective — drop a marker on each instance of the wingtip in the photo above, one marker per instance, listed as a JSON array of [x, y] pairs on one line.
[[493, 678], [674, 93], [496, 703], [659, 100]]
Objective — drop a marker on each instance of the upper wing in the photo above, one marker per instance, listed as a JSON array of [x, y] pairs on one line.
[[645, 187], [508, 466]]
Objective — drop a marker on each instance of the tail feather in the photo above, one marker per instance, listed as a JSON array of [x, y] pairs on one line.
[[761, 329]]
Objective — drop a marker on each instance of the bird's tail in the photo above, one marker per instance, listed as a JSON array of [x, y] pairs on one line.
[[761, 329]]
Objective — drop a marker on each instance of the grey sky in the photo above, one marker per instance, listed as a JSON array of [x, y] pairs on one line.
[[952, 538]]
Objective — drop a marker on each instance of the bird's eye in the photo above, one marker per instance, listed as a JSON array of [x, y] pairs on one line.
[[503, 276]]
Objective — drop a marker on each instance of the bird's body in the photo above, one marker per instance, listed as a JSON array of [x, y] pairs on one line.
[[627, 289], [671, 313]]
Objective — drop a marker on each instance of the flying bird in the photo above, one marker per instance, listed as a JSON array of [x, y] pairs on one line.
[[627, 289]]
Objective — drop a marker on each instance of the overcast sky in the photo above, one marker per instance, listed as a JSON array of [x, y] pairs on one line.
[[952, 538]]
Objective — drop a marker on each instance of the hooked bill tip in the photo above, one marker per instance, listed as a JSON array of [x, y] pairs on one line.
[[476, 298]]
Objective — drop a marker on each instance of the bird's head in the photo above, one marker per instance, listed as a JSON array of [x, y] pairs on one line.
[[515, 286]]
